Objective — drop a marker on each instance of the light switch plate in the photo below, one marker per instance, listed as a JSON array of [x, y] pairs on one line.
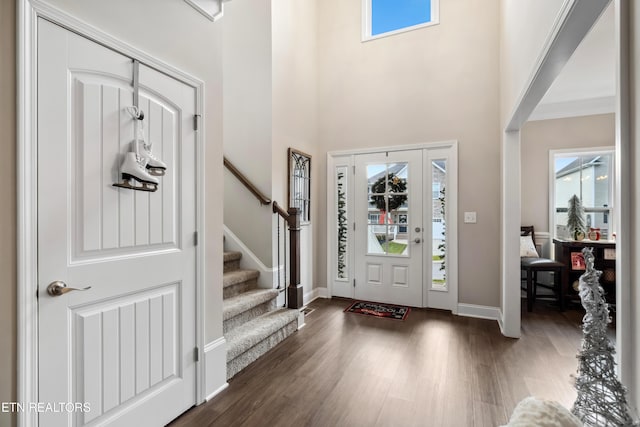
[[470, 217]]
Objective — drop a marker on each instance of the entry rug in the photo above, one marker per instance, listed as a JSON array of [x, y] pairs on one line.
[[386, 311]]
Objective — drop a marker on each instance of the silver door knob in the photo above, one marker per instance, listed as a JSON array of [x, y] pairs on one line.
[[58, 288], [417, 240]]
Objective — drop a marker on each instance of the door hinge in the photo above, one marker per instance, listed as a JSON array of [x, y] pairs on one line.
[[196, 354], [354, 169], [354, 283], [196, 122], [354, 226], [195, 238]]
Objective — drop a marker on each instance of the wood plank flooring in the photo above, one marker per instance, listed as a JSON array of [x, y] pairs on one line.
[[433, 369]]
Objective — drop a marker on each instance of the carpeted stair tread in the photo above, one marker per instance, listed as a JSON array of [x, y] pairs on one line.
[[232, 256], [246, 336], [238, 304], [238, 276]]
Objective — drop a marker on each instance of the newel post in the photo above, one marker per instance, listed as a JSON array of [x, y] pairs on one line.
[[294, 291]]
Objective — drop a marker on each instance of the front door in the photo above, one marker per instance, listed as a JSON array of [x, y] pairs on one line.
[[389, 230], [122, 351]]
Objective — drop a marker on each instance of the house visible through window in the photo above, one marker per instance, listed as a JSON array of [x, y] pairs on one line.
[[387, 17], [588, 175]]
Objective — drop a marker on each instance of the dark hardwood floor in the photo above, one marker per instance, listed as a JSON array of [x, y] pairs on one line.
[[433, 369]]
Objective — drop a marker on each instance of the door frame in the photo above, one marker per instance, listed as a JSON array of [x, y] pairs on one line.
[[574, 20], [345, 159], [27, 191]]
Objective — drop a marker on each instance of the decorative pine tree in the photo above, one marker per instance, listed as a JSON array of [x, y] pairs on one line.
[[602, 399], [575, 218], [442, 247], [342, 227]]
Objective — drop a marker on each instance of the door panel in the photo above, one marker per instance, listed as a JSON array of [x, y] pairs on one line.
[[388, 236], [126, 346]]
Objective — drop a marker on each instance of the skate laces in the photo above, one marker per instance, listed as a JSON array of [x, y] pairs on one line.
[[148, 148]]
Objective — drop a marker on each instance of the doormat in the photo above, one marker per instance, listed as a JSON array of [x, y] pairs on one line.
[[386, 311]]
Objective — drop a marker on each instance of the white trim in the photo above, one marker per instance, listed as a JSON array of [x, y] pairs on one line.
[[425, 145], [205, 10], [366, 22], [510, 241], [552, 180], [479, 311], [215, 367], [626, 246], [500, 322], [314, 294], [581, 107], [27, 277], [27, 304], [268, 275], [448, 300]]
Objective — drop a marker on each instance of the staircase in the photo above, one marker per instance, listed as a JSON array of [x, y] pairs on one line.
[[252, 322]]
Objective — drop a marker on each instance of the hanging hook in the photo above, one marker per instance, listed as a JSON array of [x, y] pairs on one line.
[[139, 114]]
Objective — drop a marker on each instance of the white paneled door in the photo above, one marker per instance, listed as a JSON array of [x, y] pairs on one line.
[[389, 230], [125, 348]]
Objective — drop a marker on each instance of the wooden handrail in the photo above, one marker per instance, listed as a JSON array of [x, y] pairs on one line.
[[280, 211], [264, 200]]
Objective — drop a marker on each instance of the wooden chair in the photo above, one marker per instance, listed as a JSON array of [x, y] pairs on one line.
[[532, 265]]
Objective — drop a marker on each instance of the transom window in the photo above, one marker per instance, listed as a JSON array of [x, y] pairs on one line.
[[387, 17]]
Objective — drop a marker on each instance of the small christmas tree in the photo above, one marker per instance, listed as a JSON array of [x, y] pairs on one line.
[[575, 218], [602, 399]]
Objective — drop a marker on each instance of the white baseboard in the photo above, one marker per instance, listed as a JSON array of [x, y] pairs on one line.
[[268, 275], [215, 367], [314, 294], [501, 322], [479, 311]]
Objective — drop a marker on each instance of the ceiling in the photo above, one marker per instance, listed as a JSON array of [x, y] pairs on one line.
[[587, 83]]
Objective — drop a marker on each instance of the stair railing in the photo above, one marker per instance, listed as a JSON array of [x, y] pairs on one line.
[[293, 295], [291, 217]]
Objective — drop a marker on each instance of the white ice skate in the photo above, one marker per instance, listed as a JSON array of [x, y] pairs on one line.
[[133, 171], [155, 166]]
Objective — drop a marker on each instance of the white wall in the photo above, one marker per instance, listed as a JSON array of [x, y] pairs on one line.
[[247, 65], [433, 84], [537, 139], [8, 210], [295, 101], [172, 31], [525, 26]]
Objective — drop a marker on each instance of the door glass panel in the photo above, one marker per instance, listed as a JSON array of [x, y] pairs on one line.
[[387, 219], [439, 244]]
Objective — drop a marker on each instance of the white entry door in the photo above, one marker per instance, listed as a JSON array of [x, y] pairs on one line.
[[123, 349], [389, 231]]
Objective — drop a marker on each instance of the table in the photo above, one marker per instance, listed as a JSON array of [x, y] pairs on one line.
[[569, 252]]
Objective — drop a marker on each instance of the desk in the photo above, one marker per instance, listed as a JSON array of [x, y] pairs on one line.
[[604, 253]]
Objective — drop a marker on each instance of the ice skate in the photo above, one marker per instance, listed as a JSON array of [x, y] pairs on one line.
[[135, 175], [155, 166]]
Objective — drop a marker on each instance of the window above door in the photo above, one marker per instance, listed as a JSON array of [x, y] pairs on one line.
[[383, 18]]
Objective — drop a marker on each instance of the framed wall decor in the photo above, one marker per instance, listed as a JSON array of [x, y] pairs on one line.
[[299, 193]]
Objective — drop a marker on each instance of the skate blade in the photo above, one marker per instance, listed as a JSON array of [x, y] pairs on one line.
[[156, 171], [144, 186]]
